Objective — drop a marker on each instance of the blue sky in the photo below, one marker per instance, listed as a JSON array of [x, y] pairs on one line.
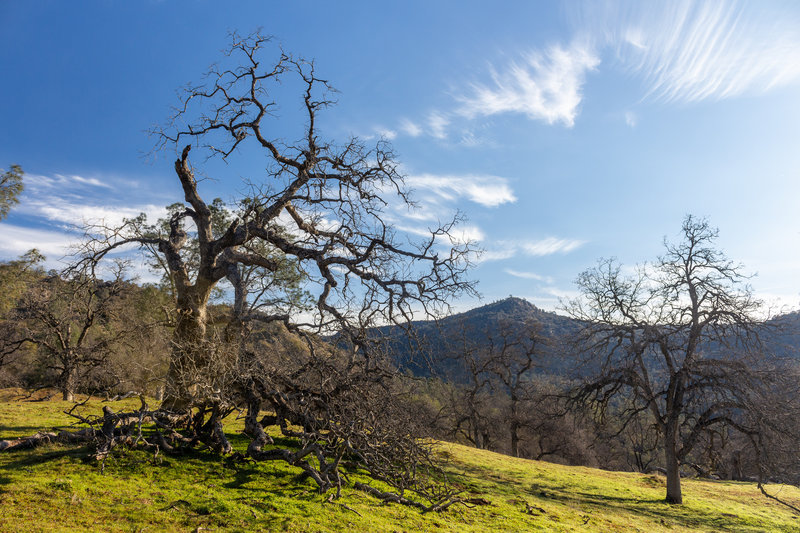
[[565, 131]]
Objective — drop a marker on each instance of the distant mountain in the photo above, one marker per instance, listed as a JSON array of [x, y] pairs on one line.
[[430, 352]]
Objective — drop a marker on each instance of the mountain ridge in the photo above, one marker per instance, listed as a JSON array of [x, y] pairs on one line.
[[435, 338]]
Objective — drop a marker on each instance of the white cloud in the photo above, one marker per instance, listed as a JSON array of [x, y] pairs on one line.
[[562, 294], [469, 138], [58, 248], [463, 234], [550, 245], [527, 275], [489, 191], [75, 213], [60, 205], [387, 134], [410, 128], [91, 181], [631, 119], [500, 250], [635, 37], [414, 230], [53, 244], [437, 125], [72, 200], [60, 181], [497, 254], [544, 86], [684, 51], [692, 51]]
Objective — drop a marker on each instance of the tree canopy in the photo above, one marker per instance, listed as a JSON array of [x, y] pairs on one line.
[[11, 187]]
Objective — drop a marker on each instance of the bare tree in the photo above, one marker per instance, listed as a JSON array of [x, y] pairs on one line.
[[513, 352], [320, 204], [16, 279], [472, 409], [491, 382], [316, 228], [679, 340], [74, 323]]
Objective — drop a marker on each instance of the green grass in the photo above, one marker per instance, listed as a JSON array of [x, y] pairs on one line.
[[55, 488]]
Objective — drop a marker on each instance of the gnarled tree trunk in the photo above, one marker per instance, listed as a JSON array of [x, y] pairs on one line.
[[189, 364]]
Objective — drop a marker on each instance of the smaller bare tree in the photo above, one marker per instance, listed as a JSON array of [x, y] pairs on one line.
[[16, 279], [678, 340], [512, 354], [469, 397], [75, 324], [491, 381]]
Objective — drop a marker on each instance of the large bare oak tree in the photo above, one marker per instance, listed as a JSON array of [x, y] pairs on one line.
[[319, 224], [324, 205]]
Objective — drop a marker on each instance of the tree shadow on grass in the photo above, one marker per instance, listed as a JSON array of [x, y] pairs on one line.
[[653, 508], [656, 509], [26, 459], [254, 474]]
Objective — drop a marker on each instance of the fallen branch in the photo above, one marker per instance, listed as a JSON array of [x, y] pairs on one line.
[[392, 497], [125, 396], [330, 500], [46, 437], [773, 497]]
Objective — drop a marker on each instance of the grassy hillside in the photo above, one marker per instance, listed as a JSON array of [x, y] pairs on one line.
[[55, 489]]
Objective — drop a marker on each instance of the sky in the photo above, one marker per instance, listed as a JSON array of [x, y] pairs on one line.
[[565, 132]]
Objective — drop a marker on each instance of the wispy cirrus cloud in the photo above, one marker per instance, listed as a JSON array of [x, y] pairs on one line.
[[543, 85], [688, 51], [412, 129], [58, 247], [549, 246], [435, 125], [681, 51], [386, 133], [527, 275], [61, 181], [56, 207], [466, 234], [505, 249], [488, 191], [631, 119]]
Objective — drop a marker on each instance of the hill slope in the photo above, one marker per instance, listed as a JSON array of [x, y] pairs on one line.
[[54, 489]]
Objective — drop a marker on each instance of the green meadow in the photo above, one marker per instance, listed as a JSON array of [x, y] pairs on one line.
[[55, 488]]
